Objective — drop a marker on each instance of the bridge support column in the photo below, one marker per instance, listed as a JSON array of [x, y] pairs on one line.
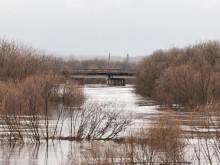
[[116, 82]]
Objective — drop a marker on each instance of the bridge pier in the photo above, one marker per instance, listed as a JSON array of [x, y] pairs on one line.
[[116, 82]]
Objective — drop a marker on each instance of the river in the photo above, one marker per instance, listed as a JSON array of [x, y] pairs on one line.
[[66, 152]]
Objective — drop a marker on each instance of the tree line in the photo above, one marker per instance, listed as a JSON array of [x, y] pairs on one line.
[[18, 61], [187, 77]]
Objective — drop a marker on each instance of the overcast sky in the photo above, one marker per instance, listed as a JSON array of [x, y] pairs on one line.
[[137, 27]]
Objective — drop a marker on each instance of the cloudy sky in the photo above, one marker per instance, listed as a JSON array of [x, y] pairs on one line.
[[137, 27]]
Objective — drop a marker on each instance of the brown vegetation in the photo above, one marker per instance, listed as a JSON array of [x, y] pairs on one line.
[[186, 77], [161, 144], [36, 100], [17, 61]]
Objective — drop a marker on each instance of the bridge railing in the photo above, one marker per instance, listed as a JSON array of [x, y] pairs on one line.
[[89, 71]]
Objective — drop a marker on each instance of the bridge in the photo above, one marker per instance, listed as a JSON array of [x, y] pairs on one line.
[[114, 77]]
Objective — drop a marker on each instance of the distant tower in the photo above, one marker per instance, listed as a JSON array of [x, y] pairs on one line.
[[109, 56], [127, 57]]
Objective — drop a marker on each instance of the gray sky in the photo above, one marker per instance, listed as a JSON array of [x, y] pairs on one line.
[[137, 27]]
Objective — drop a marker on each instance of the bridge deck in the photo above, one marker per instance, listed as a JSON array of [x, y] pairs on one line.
[[114, 77], [103, 72]]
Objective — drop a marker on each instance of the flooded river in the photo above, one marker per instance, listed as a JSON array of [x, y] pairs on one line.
[[70, 152]]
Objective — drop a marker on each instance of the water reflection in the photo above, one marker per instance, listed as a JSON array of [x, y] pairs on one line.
[[35, 154], [72, 152]]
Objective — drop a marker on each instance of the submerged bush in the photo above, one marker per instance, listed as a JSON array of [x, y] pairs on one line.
[[26, 105]]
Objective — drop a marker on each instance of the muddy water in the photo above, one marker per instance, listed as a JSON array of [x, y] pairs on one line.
[[65, 152]]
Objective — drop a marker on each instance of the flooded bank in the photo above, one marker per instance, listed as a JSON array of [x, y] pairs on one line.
[[122, 98], [162, 143]]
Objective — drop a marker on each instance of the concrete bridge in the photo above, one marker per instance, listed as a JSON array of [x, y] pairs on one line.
[[114, 77]]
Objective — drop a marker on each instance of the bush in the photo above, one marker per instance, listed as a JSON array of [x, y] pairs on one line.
[[186, 77]]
